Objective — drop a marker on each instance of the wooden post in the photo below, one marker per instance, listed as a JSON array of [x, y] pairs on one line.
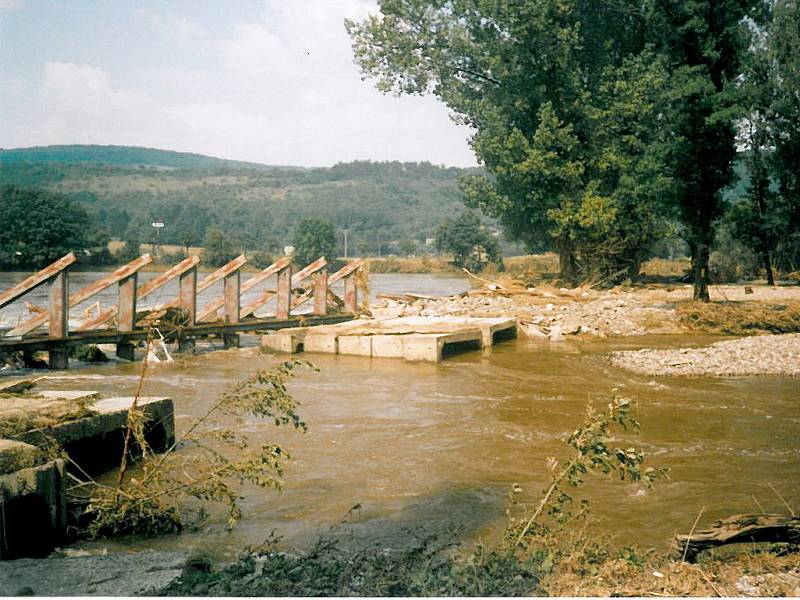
[[126, 318], [231, 285], [284, 293], [187, 296], [58, 306], [320, 279], [350, 294]]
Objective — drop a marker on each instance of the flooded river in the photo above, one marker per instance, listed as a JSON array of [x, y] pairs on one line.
[[430, 446]]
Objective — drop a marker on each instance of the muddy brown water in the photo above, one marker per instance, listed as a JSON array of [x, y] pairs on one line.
[[433, 446]]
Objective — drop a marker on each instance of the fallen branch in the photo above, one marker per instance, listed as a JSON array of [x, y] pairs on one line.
[[737, 529]]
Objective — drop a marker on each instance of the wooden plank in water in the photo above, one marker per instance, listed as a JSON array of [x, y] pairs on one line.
[[35, 280], [86, 292]]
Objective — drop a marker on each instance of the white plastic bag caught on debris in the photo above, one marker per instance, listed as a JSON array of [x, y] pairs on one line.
[[157, 352]]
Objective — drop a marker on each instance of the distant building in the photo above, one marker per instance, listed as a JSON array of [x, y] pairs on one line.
[[288, 250], [430, 241]]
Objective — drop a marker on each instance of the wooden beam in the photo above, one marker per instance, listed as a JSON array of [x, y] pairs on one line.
[[58, 306], [37, 279], [231, 296], [320, 288], [147, 288], [346, 270], [187, 295], [284, 307], [350, 294], [86, 292], [296, 279], [214, 305], [126, 317]]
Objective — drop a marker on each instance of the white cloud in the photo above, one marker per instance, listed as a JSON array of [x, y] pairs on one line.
[[11, 4], [281, 89]]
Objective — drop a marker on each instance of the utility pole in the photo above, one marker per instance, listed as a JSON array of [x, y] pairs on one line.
[[345, 244]]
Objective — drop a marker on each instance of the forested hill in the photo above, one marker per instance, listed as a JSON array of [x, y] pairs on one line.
[[121, 155], [125, 189]]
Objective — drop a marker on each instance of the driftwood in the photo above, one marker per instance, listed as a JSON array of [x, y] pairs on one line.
[[740, 529]]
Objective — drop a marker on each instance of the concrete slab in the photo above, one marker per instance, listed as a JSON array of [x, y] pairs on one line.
[[16, 455], [389, 346], [358, 345], [401, 337], [68, 394]]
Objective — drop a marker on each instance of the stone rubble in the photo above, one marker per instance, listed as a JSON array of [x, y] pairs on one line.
[[759, 355]]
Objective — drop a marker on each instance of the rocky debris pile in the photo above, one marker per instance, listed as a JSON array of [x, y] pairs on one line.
[[545, 314], [760, 355]]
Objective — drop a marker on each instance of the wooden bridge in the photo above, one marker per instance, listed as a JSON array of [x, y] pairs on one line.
[[225, 316]]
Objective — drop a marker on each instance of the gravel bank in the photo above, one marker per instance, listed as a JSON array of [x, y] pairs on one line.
[[760, 355]]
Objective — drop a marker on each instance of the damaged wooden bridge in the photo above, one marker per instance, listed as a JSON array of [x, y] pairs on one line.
[[225, 316]]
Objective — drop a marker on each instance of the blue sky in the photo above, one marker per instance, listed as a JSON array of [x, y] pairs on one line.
[[269, 81]]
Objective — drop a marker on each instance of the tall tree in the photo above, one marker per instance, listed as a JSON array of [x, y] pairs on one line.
[[704, 41], [532, 78], [785, 52]]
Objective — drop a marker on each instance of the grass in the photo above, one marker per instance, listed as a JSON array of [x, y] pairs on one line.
[[416, 264], [741, 318]]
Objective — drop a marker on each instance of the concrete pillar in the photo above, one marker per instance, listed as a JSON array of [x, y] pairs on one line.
[[284, 301], [186, 345], [126, 351], [59, 358]]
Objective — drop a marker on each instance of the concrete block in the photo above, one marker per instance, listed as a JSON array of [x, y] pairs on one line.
[[423, 347], [359, 345], [95, 442], [33, 510], [390, 346], [321, 342]]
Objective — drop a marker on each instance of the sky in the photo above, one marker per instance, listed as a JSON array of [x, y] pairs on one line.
[[269, 81]]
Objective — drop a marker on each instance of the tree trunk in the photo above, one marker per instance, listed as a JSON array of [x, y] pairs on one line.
[[566, 260], [765, 257], [700, 276]]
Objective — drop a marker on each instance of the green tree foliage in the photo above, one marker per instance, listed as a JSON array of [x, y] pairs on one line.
[[563, 104], [38, 227], [314, 238], [471, 244], [218, 248], [703, 41]]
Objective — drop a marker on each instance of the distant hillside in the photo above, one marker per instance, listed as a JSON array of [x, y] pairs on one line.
[[121, 155], [125, 189]]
